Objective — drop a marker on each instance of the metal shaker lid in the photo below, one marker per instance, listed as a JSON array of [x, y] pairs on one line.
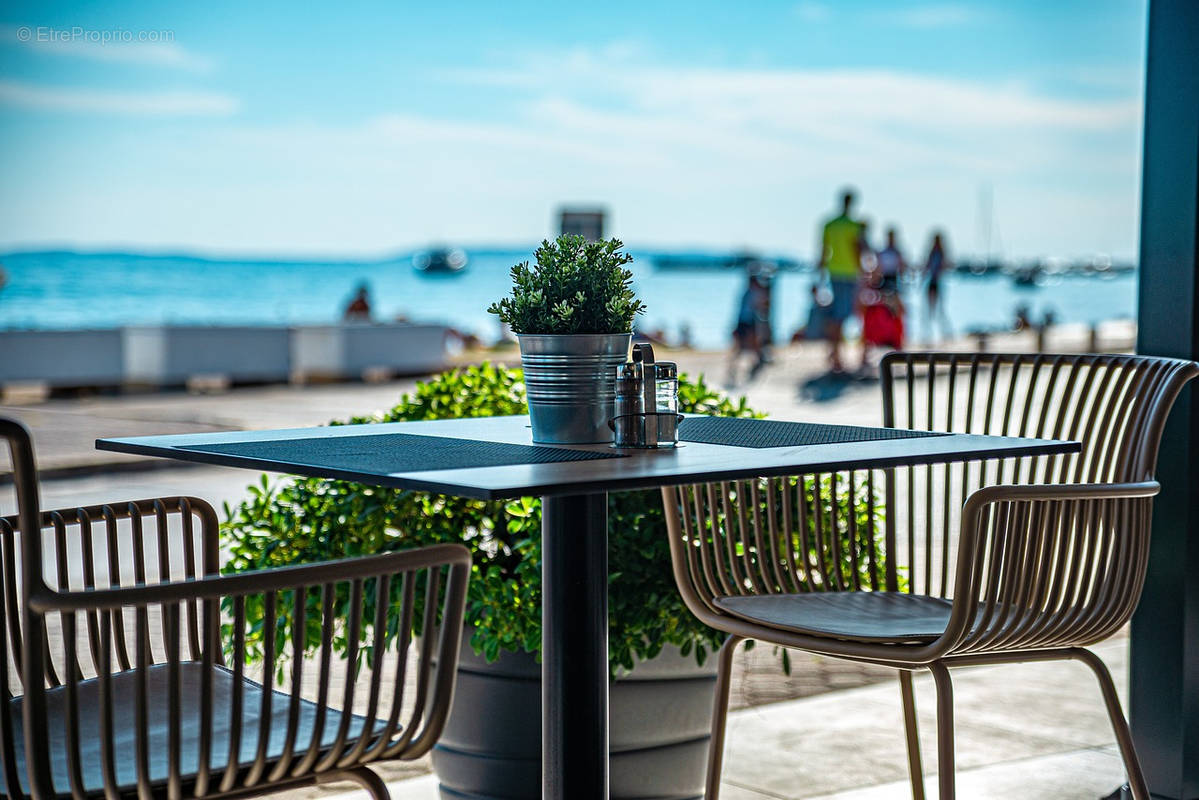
[[667, 370]]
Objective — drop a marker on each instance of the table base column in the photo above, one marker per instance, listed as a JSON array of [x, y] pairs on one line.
[[574, 647]]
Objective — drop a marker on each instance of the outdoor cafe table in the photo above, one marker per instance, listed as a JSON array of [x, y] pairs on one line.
[[494, 458]]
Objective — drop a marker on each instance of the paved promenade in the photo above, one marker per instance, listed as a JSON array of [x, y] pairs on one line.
[[1032, 731], [830, 730]]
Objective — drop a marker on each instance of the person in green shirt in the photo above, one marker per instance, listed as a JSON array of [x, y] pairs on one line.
[[841, 247]]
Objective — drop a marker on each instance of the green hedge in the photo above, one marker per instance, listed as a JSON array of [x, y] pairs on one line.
[[300, 520]]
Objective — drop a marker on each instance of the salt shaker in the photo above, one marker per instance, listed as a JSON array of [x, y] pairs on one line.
[[666, 393]]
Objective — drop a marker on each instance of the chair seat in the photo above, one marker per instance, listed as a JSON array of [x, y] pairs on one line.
[[124, 694], [894, 617]]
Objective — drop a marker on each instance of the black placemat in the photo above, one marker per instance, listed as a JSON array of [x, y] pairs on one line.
[[385, 453], [760, 433]]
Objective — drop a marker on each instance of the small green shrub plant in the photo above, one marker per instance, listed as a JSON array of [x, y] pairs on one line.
[[300, 520], [576, 287]]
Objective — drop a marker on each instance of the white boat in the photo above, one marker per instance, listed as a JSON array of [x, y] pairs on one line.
[[440, 260]]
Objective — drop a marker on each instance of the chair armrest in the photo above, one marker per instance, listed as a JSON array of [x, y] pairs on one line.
[[1028, 551], [299, 634], [1061, 491], [216, 587]]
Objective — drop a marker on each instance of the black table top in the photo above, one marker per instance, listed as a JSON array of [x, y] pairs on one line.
[[361, 456]]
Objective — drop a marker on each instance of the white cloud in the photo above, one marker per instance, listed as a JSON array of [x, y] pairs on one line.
[[1106, 78], [563, 67], [869, 98], [709, 156], [701, 156], [161, 51], [169, 103], [938, 15], [828, 98]]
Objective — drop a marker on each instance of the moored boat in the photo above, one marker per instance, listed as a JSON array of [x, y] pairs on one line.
[[440, 260]]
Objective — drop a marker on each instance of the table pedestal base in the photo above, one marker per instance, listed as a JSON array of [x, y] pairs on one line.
[[574, 647]]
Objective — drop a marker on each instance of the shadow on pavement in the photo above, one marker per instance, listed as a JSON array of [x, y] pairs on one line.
[[828, 386]]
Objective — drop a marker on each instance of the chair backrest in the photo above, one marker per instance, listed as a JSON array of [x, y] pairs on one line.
[[143, 542], [791, 534], [895, 528], [1114, 405]]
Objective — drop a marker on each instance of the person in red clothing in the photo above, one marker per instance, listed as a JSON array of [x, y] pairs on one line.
[[882, 311]]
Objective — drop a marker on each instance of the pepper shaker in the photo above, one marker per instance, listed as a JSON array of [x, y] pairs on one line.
[[630, 407]]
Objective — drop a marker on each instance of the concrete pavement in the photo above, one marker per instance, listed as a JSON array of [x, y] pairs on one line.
[[1033, 731]]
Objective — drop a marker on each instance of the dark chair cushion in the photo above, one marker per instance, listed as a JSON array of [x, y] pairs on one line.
[[857, 616], [124, 694]]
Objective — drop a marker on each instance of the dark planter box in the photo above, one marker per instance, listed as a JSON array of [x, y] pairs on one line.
[[660, 722]]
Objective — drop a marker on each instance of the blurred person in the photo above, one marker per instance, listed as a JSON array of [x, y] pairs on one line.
[[765, 314], [879, 301], [1023, 319], [882, 312], [890, 263], [752, 332], [841, 251], [868, 255], [359, 307], [935, 267], [1042, 330], [814, 328], [462, 339]]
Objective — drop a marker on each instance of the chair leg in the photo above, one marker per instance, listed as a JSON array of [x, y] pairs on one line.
[[911, 731], [946, 779], [363, 776], [720, 716], [1132, 764]]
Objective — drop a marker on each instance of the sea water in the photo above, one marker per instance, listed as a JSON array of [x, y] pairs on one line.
[[70, 290]]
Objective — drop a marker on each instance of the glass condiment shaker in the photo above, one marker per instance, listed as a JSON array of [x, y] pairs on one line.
[[628, 423], [666, 390]]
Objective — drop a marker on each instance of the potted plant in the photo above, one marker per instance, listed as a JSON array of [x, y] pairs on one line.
[[663, 680], [573, 316]]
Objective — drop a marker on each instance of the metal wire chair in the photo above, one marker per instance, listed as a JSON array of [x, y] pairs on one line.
[[980, 563], [114, 682]]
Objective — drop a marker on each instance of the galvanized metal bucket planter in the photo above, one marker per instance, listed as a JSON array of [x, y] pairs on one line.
[[570, 381]]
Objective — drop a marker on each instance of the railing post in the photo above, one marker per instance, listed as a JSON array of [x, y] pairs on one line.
[[1164, 692]]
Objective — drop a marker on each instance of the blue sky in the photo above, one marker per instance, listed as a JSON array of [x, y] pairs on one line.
[[366, 128]]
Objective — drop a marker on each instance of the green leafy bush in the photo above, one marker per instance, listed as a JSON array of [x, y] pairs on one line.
[[576, 287], [301, 520]]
